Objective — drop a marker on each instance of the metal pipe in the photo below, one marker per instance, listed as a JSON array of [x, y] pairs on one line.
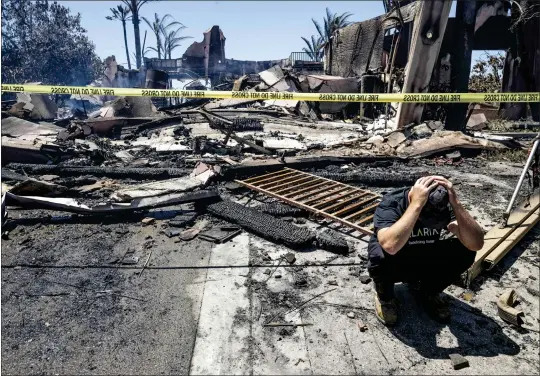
[[521, 178]]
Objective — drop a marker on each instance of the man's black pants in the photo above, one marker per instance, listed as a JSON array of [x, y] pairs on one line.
[[435, 267]]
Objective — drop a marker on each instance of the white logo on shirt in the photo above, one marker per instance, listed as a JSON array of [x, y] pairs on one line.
[[425, 232]]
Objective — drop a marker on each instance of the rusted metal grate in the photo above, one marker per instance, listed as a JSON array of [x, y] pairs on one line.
[[348, 205]]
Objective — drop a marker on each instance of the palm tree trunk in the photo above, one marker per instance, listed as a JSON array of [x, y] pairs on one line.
[[126, 42], [158, 39], [136, 31]]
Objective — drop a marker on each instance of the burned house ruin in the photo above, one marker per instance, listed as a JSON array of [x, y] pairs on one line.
[[421, 39], [409, 49]]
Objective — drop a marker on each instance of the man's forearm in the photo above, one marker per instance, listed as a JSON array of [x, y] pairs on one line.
[[393, 238], [470, 232]]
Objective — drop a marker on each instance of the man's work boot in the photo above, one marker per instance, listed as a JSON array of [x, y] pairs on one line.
[[386, 311], [436, 307]]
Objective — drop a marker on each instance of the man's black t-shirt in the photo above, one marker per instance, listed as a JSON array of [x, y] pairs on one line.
[[389, 211]]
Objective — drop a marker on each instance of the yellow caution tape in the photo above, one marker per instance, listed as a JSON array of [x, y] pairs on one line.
[[310, 97]]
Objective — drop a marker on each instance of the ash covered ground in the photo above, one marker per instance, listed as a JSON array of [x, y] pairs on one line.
[[71, 304]]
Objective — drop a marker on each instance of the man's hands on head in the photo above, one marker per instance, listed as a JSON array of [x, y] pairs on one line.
[[452, 196], [393, 238], [419, 193]]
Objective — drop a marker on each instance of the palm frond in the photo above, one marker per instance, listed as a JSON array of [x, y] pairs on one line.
[[329, 14], [179, 39], [306, 40], [309, 52], [128, 4], [331, 22], [342, 20], [140, 3], [318, 27], [150, 24], [313, 47]]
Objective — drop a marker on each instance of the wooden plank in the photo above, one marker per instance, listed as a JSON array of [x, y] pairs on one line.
[[352, 207], [321, 205], [344, 202], [289, 189], [506, 246], [366, 219], [269, 176], [496, 235], [445, 140], [429, 27], [329, 194], [363, 211], [227, 159], [285, 182], [321, 187]]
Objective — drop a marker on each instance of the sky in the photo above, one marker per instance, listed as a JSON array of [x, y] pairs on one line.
[[254, 30]]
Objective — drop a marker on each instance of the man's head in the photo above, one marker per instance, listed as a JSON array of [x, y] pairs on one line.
[[438, 198], [436, 211]]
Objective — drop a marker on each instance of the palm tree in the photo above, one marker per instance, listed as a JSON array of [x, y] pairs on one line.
[[314, 47], [171, 40], [134, 7], [332, 22], [160, 27], [122, 14]]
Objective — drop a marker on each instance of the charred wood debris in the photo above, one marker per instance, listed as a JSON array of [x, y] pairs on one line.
[[129, 155], [92, 155]]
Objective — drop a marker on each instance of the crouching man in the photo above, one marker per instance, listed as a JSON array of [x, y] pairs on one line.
[[406, 245]]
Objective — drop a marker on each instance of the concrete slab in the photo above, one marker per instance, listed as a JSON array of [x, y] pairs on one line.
[[224, 330]]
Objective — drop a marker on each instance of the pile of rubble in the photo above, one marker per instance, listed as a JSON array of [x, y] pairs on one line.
[[36, 130], [137, 157], [128, 137]]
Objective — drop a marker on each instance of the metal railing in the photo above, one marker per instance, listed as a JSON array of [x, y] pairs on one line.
[[300, 57], [166, 65]]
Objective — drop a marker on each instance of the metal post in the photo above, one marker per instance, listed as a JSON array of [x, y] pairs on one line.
[[521, 178]]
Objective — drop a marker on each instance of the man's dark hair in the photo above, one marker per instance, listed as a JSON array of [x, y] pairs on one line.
[[436, 211], [438, 199]]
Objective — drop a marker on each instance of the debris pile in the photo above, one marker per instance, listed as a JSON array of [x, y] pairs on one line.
[[186, 147]]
